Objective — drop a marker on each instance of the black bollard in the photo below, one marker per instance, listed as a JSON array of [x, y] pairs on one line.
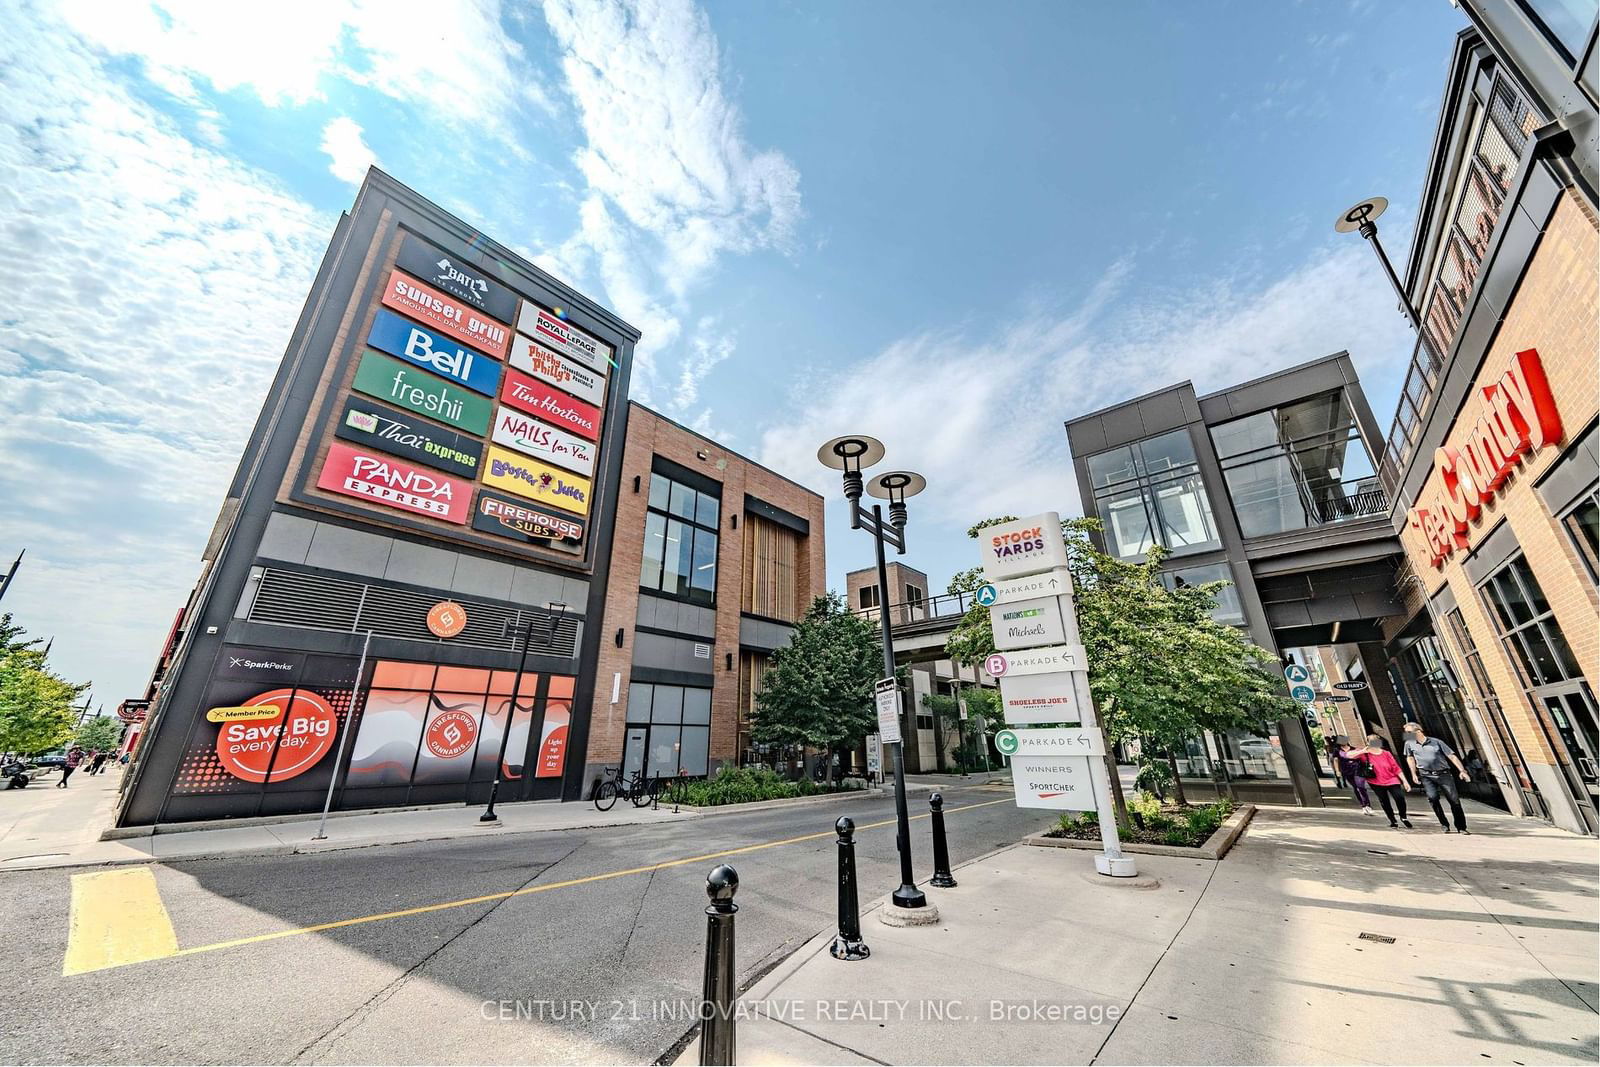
[[848, 944], [716, 1008], [941, 853]]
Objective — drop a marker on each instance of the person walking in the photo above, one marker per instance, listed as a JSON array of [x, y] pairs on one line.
[[1438, 767], [74, 757], [99, 762], [1387, 780], [1355, 768]]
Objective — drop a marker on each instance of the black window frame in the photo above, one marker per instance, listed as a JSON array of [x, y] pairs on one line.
[[1149, 486], [665, 500]]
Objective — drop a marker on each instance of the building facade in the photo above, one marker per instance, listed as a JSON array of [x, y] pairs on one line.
[[715, 559], [398, 595], [1492, 457]]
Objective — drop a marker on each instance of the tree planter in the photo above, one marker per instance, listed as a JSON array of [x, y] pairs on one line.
[[1213, 848]]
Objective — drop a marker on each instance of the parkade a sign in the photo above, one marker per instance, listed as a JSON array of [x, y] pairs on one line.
[[529, 478], [525, 434], [551, 405], [1519, 417], [434, 351], [433, 308], [1024, 546], [563, 372], [456, 277], [399, 434], [564, 337], [386, 480]]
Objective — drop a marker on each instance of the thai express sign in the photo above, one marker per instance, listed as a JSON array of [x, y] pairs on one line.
[[1518, 417]]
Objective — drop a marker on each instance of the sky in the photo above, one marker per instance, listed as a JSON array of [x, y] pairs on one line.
[[947, 230]]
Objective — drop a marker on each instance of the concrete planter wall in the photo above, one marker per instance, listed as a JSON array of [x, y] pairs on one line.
[[1216, 846]]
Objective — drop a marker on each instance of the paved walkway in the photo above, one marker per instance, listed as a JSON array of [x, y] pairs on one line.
[[1323, 937]]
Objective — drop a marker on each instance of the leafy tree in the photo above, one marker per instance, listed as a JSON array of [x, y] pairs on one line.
[[103, 732], [36, 710], [982, 705], [818, 689]]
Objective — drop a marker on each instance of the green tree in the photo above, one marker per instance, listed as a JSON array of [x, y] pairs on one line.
[[36, 710], [982, 708], [103, 732], [818, 689]]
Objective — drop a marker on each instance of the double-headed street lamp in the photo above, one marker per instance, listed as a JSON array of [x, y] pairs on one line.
[[851, 454], [524, 629]]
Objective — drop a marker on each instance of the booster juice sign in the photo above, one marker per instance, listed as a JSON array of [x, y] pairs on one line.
[[457, 277], [504, 517], [525, 434], [404, 385], [400, 434], [551, 405], [529, 478], [563, 372], [301, 731], [433, 308], [438, 353], [562, 336], [387, 481], [1519, 417]]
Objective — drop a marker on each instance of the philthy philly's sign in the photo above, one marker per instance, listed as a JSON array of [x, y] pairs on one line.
[[438, 353], [563, 372], [401, 434]]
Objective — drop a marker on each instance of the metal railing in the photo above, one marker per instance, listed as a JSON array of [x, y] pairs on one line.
[[944, 606]]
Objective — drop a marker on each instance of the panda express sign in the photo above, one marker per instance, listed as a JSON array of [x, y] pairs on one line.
[[1518, 416]]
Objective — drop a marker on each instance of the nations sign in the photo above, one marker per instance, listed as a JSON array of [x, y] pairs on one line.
[[387, 481]]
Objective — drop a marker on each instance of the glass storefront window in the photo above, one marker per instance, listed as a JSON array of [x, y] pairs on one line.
[[669, 730], [1582, 524], [1228, 609], [1150, 493]]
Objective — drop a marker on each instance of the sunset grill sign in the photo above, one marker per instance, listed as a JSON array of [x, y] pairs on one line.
[[1519, 417]]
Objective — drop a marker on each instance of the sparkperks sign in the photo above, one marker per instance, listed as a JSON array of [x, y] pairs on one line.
[[562, 336], [402, 384], [551, 405], [456, 277], [525, 434], [400, 434], [387, 481], [1025, 546], [529, 478], [1518, 417], [563, 372], [433, 308], [505, 517], [438, 353]]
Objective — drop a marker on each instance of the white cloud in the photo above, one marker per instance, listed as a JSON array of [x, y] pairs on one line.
[[348, 154], [980, 412]]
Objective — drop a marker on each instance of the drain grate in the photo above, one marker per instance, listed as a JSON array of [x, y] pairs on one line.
[[1379, 938], [1376, 852]]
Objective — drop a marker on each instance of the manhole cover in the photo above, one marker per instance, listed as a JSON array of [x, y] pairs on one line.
[[1379, 938]]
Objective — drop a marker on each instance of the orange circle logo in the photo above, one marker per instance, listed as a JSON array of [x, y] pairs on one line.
[[302, 731], [451, 733], [447, 618]]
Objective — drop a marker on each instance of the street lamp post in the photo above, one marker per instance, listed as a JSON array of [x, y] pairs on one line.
[[850, 454], [523, 629], [1359, 220]]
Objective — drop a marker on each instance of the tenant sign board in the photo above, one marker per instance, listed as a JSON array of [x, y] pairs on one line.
[[562, 336], [456, 277], [551, 405], [400, 434], [1030, 587], [1058, 782], [1036, 661], [526, 434], [438, 353], [436, 310], [406, 386], [1025, 546], [563, 372], [527, 477], [385, 480], [522, 521], [1028, 623], [1059, 741], [1036, 698]]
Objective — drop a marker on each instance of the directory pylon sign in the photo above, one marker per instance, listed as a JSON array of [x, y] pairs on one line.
[[1026, 546], [1036, 698]]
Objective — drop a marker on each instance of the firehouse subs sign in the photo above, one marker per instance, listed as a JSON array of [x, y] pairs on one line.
[[1518, 417]]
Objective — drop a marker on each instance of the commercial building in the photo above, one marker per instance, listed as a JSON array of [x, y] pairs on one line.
[[426, 496], [715, 559], [1492, 457]]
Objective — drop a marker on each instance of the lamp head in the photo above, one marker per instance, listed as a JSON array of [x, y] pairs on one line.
[[895, 487], [851, 454]]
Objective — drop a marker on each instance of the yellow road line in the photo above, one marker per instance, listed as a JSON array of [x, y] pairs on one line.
[[117, 918], [488, 897]]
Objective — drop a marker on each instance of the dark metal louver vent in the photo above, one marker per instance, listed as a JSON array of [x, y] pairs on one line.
[[319, 602]]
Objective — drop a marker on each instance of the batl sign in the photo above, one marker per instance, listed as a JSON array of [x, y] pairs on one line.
[[427, 305], [1518, 417], [456, 277], [384, 480], [551, 405]]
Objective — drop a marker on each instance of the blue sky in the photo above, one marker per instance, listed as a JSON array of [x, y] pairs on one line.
[[949, 229]]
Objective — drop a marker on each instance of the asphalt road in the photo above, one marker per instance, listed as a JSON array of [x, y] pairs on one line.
[[605, 969]]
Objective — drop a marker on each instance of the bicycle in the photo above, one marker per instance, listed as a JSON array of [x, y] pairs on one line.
[[638, 788]]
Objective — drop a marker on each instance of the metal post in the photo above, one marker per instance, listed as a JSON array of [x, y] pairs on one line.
[[1369, 230], [848, 944], [941, 852], [717, 1045], [349, 727], [908, 895], [488, 815], [4, 585]]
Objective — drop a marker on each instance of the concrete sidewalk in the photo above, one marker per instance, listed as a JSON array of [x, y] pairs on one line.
[[1259, 958]]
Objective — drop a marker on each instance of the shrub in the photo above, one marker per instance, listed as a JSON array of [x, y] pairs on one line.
[[740, 785], [1148, 805], [1159, 824], [1178, 835], [1203, 822], [1154, 776]]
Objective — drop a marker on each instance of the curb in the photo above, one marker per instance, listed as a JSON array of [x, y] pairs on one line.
[[1216, 846], [797, 802]]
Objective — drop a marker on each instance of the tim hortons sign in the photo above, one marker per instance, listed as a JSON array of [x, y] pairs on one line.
[[1518, 417]]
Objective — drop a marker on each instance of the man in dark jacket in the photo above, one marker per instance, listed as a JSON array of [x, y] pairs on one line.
[[1438, 767]]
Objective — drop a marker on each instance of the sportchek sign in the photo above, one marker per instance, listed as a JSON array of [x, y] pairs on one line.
[[447, 315], [458, 278], [529, 478], [563, 372], [526, 434], [1518, 417], [551, 405], [434, 351], [388, 481], [562, 336]]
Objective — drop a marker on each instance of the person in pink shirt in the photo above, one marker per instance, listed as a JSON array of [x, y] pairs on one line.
[[1387, 780]]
